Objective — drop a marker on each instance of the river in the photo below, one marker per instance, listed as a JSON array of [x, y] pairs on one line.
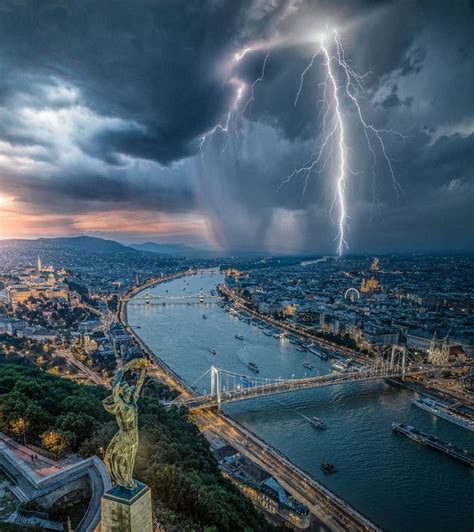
[[398, 484]]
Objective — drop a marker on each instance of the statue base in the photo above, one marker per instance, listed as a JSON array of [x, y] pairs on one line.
[[124, 510]]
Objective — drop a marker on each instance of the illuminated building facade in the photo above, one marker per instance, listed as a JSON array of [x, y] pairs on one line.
[[369, 286], [442, 354]]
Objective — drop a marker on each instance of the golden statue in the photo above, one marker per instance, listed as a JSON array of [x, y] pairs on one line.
[[121, 452]]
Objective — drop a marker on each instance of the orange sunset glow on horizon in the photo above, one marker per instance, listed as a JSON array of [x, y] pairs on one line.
[[18, 220]]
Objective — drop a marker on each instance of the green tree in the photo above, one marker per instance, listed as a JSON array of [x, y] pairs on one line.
[[55, 442]]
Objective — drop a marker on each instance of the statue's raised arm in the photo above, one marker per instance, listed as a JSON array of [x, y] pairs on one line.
[[121, 452]]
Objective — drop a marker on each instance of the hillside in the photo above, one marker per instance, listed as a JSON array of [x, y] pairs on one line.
[[180, 250], [77, 243], [189, 492]]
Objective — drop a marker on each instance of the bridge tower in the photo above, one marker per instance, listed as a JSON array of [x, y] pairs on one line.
[[216, 384], [400, 352], [147, 298], [201, 296]]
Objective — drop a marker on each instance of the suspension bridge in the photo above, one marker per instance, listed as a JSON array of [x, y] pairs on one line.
[[148, 299], [228, 386]]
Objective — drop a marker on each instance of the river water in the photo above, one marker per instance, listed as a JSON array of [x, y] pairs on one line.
[[399, 484]]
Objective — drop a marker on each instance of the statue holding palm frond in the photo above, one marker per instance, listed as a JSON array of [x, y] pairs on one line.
[[121, 452]]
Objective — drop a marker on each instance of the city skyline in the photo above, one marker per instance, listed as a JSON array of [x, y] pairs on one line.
[[324, 369], [236, 264], [115, 123]]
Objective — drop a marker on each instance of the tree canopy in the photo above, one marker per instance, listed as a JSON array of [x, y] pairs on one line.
[[189, 493]]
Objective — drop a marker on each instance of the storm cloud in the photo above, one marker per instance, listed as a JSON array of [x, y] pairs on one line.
[[104, 105]]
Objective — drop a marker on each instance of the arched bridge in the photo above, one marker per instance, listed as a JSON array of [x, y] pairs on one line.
[[228, 386]]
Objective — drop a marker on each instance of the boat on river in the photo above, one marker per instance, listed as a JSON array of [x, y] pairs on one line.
[[316, 422], [309, 366], [244, 382], [239, 336], [328, 467], [338, 365], [318, 353], [253, 367], [447, 448], [445, 412], [212, 351]]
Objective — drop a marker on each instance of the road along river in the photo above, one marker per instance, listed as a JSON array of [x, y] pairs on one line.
[[398, 484]]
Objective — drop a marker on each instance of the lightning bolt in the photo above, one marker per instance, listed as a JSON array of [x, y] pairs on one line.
[[333, 146], [258, 80], [240, 55], [236, 111], [225, 127]]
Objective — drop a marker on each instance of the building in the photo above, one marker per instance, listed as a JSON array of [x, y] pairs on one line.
[[377, 336], [263, 489], [466, 343], [375, 266], [10, 325], [40, 268], [39, 334], [121, 341], [442, 354], [308, 316], [369, 286], [419, 340], [89, 325], [20, 294], [289, 309], [332, 326]]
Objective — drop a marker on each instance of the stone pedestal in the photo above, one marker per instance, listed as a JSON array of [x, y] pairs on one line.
[[124, 510]]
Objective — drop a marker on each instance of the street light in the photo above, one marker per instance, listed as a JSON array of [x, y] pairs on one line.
[[22, 425]]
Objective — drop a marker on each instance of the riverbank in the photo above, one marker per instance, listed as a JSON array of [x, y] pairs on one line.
[[335, 513], [359, 439], [432, 393], [419, 387], [324, 344]]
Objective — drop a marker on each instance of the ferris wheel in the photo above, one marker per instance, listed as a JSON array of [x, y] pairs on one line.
[[352, 294]]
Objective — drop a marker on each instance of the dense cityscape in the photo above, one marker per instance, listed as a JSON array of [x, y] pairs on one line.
[[236, 266], [69, 320]]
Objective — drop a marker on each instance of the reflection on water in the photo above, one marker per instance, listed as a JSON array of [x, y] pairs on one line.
[[397, 483]]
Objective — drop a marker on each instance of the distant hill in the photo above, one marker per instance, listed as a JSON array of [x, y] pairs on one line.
[[79, 243], [181, 250]]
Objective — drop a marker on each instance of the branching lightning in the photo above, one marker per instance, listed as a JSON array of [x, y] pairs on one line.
[[225, 127], [258, 80], [341, 82], [341, 85], [237, 110]]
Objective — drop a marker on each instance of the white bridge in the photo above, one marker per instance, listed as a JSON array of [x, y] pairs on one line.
[[228, 386], [147, 298]]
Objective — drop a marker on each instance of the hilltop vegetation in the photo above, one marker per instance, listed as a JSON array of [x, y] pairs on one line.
[[78, 243], [189, 493]]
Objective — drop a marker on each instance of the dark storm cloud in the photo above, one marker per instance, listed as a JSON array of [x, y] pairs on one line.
[[422, 85], [150, 62], [112, 192], [84, 192], [392, 100], [104, 104]]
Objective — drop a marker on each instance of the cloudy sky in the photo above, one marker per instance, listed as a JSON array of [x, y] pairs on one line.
[[108, 115]]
